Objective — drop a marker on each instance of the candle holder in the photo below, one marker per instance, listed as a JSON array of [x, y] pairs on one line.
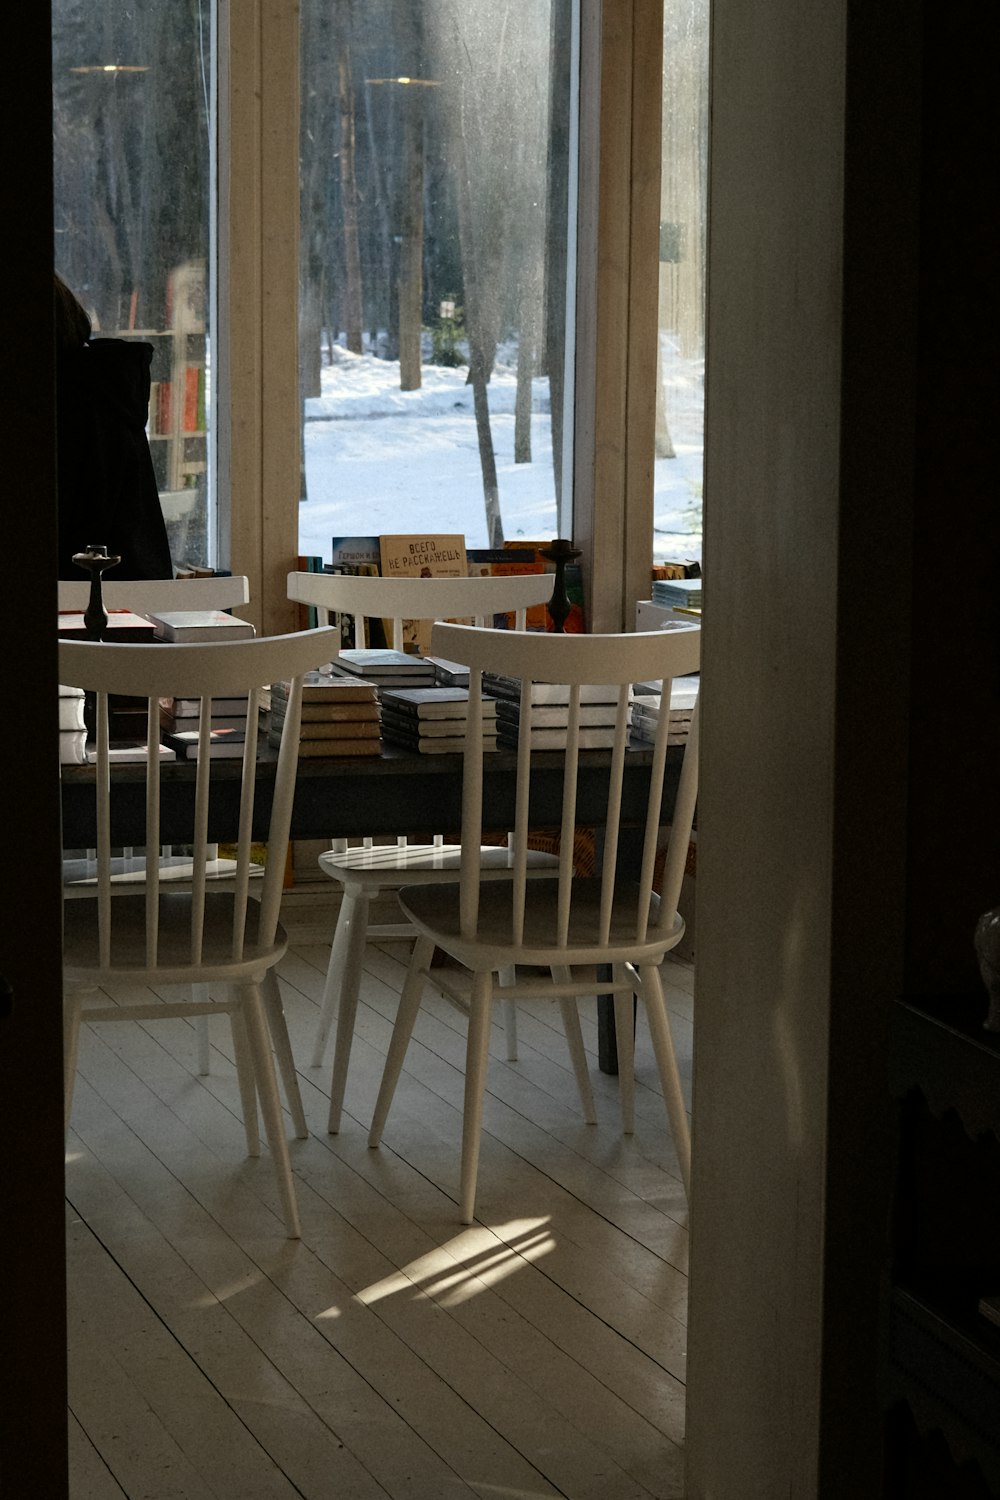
[[560, 551], [94, 560]]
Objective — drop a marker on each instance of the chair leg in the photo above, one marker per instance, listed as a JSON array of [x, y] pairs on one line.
[[508, 975], [666, 1058], [199, 992], [350, 984], [72, 1008], [270, 1104], [625, 1040], [275, 1011], [570, 1013], [245, 1078], [334, 979], [476, 1061], [406, 1015]]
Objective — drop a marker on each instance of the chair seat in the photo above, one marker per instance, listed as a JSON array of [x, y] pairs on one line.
[[389, 864], [434, 911], [174, 964], [80, 879]]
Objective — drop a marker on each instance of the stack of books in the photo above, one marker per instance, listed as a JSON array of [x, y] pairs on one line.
[[72, 727], [646, 709], [385, 667], [178, 715], [340, 715], [550, 714], [432, 720], [180, 724], [677, 593]]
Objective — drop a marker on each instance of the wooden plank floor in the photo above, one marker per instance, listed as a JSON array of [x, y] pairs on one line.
[[391, 1352]]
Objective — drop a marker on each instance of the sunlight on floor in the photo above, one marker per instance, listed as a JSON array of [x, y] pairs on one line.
[[470, 1263]]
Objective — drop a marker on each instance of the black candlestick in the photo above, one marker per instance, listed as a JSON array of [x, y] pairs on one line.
[[560, 551], [94, 560]]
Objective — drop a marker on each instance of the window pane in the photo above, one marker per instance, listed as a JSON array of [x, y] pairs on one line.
[[680, 402], [436, 188], [131, 128]]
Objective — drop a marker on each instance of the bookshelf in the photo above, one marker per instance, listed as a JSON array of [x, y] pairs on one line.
[[177, 403]]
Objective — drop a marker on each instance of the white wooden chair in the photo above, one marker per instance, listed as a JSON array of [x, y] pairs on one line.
[[197, 935], [372, 869], [567, 925], [145, 596]]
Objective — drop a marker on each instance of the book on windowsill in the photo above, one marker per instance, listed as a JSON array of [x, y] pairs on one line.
[[200, 625], [422, 555], [222, 743]]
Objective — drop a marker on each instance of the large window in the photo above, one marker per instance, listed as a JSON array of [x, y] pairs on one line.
[[438, 205], [132, 84], [680, 373]]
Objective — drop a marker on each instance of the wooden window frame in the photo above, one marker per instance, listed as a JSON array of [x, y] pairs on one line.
[[258, 425]]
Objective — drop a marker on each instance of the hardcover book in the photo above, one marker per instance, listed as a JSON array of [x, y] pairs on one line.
[[433, 703], [328, 713], [222, 742], [323, 687], [316, 749], [200, 625], [556, 716], [547, 692], [555, 739], [420, 555]]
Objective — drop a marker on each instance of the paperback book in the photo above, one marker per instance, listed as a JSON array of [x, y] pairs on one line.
[[420, 555]]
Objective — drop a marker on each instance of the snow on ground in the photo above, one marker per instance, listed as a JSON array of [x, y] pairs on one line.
[[379, 459]]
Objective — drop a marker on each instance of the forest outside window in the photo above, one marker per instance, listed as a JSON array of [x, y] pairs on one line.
[[132, 132], [680, 371], [436, 268]]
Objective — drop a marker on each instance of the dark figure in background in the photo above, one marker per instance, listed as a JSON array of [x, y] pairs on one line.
[[107, 488]]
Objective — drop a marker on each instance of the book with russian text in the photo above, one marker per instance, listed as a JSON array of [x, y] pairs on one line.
[[422, 555]]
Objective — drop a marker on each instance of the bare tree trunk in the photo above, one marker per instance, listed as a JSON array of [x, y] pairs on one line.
[[411, 283], [522, 398], [353, 302], [664, 443], [557, 231], [482, 350]]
